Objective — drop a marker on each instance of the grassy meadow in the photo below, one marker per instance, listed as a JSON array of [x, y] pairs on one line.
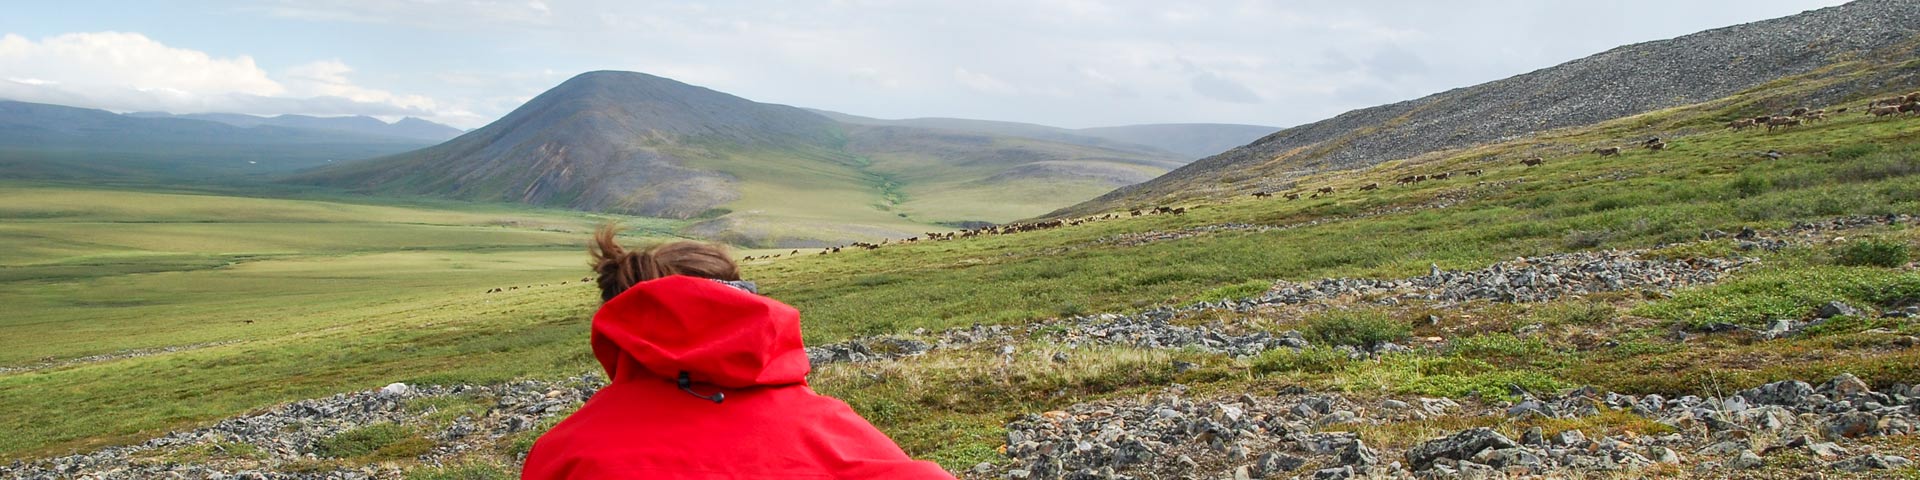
[[271, 299], [290, 299]]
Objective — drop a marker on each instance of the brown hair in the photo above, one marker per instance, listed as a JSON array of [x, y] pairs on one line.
[[620, 268]]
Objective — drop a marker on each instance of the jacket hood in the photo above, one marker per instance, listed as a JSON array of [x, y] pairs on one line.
[[717, 334]]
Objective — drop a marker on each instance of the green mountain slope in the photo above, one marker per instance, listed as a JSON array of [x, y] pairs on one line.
[[1881, 35]]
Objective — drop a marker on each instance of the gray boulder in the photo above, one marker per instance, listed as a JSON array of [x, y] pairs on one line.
[[1837, 309]]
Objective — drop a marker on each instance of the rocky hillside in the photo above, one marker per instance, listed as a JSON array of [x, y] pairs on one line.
[[1878, 35]]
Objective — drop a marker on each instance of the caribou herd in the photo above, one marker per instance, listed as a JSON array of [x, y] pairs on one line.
[[1886, 107], [1897, 105]]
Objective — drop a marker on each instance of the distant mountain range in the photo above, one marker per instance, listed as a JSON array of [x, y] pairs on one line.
[[1192, 140], [1866, 46], [756, 173], [53, 141], [742, 171], [409, 127]]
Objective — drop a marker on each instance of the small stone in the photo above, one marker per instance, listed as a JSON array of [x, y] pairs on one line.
[[1747, 460], [1186, 462], [1533, 436], [1666, 455], [1358, 455], [1571, 438], [1273, 464], [1846, 385], [1528, 407], [1827, 450], [1337, 473], [1852, 425]]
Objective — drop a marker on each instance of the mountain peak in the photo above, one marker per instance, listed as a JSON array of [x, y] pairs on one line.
[[603, 140], [633, 104]]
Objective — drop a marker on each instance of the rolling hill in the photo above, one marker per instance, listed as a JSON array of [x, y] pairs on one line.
[[58, 142], [752, 173], [1851, 42]]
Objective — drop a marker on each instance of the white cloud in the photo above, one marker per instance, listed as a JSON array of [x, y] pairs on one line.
[[130, 60], [328, 78], [129, 71]]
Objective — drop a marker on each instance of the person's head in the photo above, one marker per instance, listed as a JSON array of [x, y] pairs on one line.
[[620, 268]]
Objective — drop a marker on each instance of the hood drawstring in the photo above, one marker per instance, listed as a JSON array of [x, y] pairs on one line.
[[686, 385]]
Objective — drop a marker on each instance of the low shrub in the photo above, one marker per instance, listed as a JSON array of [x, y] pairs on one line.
[[1586, 238], [1316, 359], [462, 471], [1851, 152], [380, 440], [1873, 253], [1749, 185], [1359, 328]]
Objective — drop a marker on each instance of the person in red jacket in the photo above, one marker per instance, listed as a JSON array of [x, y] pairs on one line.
[[707, 380]]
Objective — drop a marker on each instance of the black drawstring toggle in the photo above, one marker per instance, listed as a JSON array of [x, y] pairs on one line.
[[686, 385]]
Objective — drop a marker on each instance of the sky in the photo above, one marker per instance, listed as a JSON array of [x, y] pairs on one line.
[[1068, 63]]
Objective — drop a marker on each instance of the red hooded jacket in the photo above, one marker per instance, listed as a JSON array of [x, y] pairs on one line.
[[726, 341]]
